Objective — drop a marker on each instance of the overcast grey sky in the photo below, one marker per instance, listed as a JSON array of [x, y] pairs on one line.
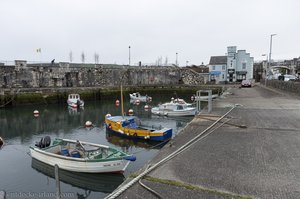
[[196, 29]]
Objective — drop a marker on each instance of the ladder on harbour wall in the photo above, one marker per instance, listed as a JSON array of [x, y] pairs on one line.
[[201, 98]]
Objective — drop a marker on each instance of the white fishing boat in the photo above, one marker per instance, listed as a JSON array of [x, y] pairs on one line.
[[78, 156], [74, 101], [176, 107], [138, 96]]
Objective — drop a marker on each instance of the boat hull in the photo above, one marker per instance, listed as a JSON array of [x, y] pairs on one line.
[[157, 111], [126, 127], [139, 97], [166, 136]]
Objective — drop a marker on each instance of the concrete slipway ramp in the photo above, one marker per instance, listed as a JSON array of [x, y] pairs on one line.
[[253, 152]]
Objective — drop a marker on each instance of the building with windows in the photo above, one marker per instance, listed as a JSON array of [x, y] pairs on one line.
[[233, 67]]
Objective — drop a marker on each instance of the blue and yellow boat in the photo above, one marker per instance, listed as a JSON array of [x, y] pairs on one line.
[[127, 126]]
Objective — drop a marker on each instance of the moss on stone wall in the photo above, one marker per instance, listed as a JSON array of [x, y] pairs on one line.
[[59, 96]]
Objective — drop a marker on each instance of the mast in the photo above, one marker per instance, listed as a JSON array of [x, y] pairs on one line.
[[122, 107]]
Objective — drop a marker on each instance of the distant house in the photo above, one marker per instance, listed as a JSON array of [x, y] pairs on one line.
[[217, 68], [234, 67]]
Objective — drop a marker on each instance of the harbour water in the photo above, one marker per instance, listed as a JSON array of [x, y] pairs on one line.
[[21, 177]]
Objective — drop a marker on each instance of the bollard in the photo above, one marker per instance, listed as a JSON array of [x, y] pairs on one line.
[[57, 182]]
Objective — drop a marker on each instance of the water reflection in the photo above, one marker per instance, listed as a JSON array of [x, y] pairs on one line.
[[75, 111], [20, 129], [126, 143], [105, 183]]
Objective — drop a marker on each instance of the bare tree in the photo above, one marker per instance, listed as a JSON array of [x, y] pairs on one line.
[[166, 61], [96, 56], [71, 56], [82, 57]]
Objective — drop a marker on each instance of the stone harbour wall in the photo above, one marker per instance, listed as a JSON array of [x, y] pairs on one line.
[[23, 75]]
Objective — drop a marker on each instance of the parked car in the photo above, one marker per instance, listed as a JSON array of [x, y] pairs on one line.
[[290, 77], [246, 83]]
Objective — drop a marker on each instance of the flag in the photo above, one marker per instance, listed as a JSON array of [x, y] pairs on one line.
[[39, 50]]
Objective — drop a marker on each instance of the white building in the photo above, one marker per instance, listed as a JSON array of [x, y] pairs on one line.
[[234, 67]]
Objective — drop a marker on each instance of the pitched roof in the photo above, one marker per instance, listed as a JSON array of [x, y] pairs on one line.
[[215, 60]]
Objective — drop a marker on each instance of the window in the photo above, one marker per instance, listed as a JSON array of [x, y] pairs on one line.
[[222, 76], [214, 67], [244, 66], [223, 67]]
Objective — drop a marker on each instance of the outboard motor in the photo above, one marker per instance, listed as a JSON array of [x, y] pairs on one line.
[[44, 142]]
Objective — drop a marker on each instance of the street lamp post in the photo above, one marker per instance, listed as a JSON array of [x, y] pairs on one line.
[[176, 59], [187, 63], [265, 65], [129, 56], [270, 58]]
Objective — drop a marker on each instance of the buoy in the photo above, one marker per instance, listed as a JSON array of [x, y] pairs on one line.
[[137, 102], [88, 124], [130, 112], [117, 103], [192, 97], [146, 107], [36, 113]]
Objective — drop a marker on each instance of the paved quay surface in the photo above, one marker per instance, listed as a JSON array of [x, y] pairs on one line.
[[256, 154]]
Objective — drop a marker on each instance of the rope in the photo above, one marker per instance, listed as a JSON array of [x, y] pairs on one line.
[[149, 189]]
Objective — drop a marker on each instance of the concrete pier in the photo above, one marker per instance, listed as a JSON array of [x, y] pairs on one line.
[[253, 153]]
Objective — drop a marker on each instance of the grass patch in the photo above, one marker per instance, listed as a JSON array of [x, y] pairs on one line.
[[193, 187]]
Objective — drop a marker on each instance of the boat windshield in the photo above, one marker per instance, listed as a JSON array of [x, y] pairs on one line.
[[179, 107]]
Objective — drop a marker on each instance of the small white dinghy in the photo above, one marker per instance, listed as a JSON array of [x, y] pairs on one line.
[[77, 156]]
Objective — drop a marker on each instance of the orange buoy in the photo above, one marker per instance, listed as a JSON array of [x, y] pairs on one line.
[[36, 113], [147, 107], [88, 124], [130, 112], [117, 103], [137, 102]]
